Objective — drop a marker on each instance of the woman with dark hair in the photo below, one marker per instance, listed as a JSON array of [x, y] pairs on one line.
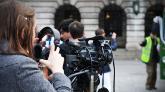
[[18, 71]]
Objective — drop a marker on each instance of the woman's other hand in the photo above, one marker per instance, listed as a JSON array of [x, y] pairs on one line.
[[113, 35], [55, 61]]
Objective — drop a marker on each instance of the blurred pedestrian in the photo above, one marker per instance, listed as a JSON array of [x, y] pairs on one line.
[[18, 71], [105, 71], [150, 55]]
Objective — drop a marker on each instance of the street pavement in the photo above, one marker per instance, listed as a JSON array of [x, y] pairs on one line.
[[131, 77]]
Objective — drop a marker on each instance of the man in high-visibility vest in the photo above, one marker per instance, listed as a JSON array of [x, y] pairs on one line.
[[150, 56]]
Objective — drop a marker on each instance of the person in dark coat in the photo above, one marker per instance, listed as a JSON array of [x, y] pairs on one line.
[[106, 68]]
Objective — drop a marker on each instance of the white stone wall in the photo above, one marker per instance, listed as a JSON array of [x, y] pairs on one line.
[[135, 23], [45, 10], [89, 10]]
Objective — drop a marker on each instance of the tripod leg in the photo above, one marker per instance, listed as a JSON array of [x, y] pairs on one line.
[[92, 83]]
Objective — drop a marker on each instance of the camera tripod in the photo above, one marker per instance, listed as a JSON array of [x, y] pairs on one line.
[[92, 79], [102, 55]]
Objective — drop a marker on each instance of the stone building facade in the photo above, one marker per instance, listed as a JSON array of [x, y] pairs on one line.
[[113, 15]]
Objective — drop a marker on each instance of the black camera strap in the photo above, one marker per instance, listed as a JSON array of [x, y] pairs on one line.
[[103, 80]]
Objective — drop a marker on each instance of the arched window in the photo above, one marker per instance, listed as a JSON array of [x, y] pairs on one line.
[[64, 12], [112, 18], [152, 11]]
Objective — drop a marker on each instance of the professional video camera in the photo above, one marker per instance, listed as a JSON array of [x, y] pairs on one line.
[[88, 59], [88, 55]]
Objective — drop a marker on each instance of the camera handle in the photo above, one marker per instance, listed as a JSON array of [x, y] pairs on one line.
[[103, 80], [78, 73], [92, 83], [75, 75], [92, 72]]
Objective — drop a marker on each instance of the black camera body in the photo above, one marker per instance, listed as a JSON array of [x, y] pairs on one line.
[[87, 56], [87, 59]]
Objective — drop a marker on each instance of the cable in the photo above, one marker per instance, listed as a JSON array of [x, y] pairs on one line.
[[90, 56], [113, 74], [113, 68]]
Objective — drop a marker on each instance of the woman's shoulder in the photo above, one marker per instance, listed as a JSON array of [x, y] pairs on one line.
[[8, 60]]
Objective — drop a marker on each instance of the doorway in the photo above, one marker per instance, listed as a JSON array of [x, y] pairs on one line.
[[64, 12], [112, 18], [152, 11]]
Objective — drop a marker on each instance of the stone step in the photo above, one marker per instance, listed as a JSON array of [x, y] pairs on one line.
[[124, 54]]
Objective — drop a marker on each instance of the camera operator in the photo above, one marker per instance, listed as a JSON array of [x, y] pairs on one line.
[[106, 69], [77, 31], [64, 29], [65, 36]]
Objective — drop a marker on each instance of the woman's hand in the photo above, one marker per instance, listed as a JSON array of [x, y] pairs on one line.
[[55, 61], [113, 35]]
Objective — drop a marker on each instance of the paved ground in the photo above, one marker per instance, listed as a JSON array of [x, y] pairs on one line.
[[131, 77]]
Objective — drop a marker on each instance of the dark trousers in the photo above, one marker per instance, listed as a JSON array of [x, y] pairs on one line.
[[151, 74]]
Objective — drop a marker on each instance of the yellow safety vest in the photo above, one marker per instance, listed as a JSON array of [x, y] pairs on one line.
[[146, 50]]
